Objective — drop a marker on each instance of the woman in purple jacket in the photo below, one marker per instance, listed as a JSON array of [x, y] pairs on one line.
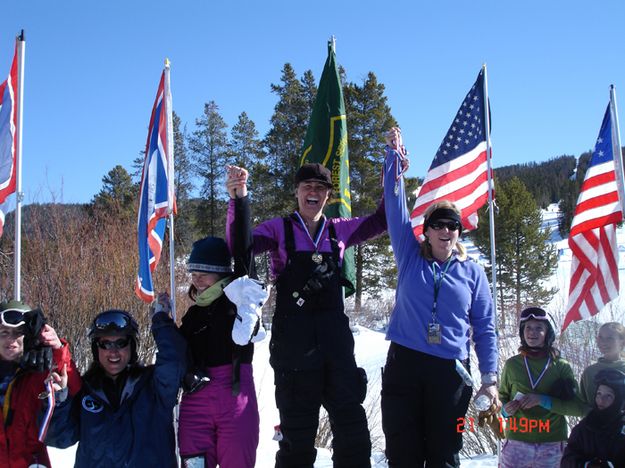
[[312, 347], [442, 298]]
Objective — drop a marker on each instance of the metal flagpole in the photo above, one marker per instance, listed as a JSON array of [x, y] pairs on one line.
[[170, 188], [19, 195], [616, 149], [491, 210]]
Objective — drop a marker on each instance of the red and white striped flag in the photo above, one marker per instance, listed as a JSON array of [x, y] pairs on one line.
[[594, 267], [459, 170], [8, 137]]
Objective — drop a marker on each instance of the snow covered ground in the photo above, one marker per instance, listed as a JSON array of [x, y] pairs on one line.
[[371, 349]]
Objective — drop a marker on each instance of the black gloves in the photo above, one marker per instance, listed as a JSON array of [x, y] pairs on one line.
[[36, 356]]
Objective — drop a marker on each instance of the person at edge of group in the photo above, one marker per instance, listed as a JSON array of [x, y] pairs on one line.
[[25, 344], [123, 415], [598, 440], [538, 390], [441, 298], [219, 420], [312, 346], [611, 344]]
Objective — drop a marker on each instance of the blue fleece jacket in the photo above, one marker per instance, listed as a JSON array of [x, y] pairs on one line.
[[464, 301]]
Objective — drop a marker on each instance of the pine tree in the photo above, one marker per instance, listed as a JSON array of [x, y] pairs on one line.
[[246, 149], [284, 140], [118, 193], [209, 145], [368, 118], [525, 258], [184, 232]]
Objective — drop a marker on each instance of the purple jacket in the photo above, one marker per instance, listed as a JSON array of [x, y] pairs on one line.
[[269, 235]]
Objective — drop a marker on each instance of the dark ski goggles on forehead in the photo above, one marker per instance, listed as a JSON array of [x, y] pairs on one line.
[[120, 343], [112, 320], [12, 318], [451, 225], [535, 313]]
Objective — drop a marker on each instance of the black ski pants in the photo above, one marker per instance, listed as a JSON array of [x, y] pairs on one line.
[[423, 397]]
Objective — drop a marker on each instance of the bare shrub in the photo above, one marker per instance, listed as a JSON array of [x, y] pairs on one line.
[[77, 262]]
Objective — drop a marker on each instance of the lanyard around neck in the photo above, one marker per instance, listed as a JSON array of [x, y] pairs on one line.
[[534, 383], [438, 280], [319, 232]]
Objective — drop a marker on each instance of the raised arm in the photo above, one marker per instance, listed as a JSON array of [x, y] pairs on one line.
[[397, 218], [240, 237], [171, 356]]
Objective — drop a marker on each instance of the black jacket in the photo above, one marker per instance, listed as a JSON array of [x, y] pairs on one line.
[[598, 437]]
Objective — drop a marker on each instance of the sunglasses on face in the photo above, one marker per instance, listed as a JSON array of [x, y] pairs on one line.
[[120, 343], [12, 318], [450, 225]]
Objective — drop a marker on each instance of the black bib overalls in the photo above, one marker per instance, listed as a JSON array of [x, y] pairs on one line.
[[312, 354]]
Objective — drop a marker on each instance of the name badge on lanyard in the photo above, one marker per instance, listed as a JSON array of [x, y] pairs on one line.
[[434, 335]]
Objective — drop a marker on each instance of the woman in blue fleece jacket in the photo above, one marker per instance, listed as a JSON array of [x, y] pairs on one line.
[[442, 298]]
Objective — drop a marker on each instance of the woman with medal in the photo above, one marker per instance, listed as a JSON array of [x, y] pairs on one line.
[[312, 347], [537, 390], [442, 299]]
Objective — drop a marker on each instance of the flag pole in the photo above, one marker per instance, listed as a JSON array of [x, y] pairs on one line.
[[170, 188], [491, 211], [616, 149], [19, 195]]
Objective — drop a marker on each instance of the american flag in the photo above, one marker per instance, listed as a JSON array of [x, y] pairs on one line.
[[156, 197], [594, 267], [459, 170], [8, 137]]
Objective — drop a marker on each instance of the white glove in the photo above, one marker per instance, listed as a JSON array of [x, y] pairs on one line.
[[249, 296]]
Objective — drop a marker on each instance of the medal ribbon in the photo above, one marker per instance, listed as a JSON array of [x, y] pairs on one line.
[[535, 383], [45, 423], [320, 230], [438, 280]]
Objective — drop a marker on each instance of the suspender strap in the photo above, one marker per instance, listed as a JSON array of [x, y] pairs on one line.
[[289, 238], [334, 243]]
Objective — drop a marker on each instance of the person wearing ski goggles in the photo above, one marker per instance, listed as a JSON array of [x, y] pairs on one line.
[[538, 390], [123, 415], [29, 348]]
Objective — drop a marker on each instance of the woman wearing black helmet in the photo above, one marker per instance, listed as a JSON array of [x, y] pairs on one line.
[[599, 439], [124, 414], [537, 390]]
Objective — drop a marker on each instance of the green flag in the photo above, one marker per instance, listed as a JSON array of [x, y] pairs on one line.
[[326, 143]]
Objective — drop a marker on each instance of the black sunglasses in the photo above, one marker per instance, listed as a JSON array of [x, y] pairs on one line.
[[451, 225], [120, 343]]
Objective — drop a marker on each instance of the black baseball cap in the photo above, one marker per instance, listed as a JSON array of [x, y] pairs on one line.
[[316, 172]]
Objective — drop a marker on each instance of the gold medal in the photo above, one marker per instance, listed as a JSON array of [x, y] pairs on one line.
[[317, 258]]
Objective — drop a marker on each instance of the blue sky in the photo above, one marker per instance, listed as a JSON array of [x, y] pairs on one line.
[[92, 69]]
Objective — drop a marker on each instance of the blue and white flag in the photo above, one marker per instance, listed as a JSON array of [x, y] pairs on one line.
[[156, 197]]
